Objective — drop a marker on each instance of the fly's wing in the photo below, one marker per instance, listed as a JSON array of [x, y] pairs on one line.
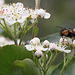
[[61, 27]]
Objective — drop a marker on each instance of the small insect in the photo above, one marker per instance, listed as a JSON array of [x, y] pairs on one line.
[[67, 32]]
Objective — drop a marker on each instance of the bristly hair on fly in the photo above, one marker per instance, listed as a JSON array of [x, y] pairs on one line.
[[67, 32]]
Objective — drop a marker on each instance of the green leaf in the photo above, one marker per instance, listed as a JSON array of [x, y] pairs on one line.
[[69, 70], [10, 53], [26, 67], [35, 30], [52, 38], [51, 69]]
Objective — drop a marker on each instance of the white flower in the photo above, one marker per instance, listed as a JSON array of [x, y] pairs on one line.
[[35, 45], [39, 13], [46, 44], [43, 13], [38, 53], [74, 42], [30, 47], [18, 4], [16, 13], [62, 40], [65, 41], [54, 46], [35, 41]]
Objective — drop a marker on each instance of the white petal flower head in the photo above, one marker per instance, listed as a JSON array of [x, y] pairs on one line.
[[62, 40], [34, 14], [36, 45], [38, 53], [54, 46], [35, 41], [17, 13], [74, 42], [46, 44], [18, 4], [40, 13], [44, 14]]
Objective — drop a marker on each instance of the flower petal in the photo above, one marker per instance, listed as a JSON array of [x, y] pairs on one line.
[[47, 15], [29, 47]]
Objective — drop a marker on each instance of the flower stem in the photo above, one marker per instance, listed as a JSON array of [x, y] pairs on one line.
[[33, 28], [52, 54], [44, 61], [64, 58], [8, 30], [37, 4], [15, 26], [52, 61], [68, 61], [33, 55], [40, 66]]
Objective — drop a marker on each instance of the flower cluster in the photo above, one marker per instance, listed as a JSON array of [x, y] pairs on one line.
[[45, 46], [16, 12], [66, 41], [16, 19]]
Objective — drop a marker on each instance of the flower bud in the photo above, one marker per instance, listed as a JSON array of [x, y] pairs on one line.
[[46, 44], [52, 47], [38, 53]]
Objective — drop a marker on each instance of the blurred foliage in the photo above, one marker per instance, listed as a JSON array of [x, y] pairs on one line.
[[69, 70]]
